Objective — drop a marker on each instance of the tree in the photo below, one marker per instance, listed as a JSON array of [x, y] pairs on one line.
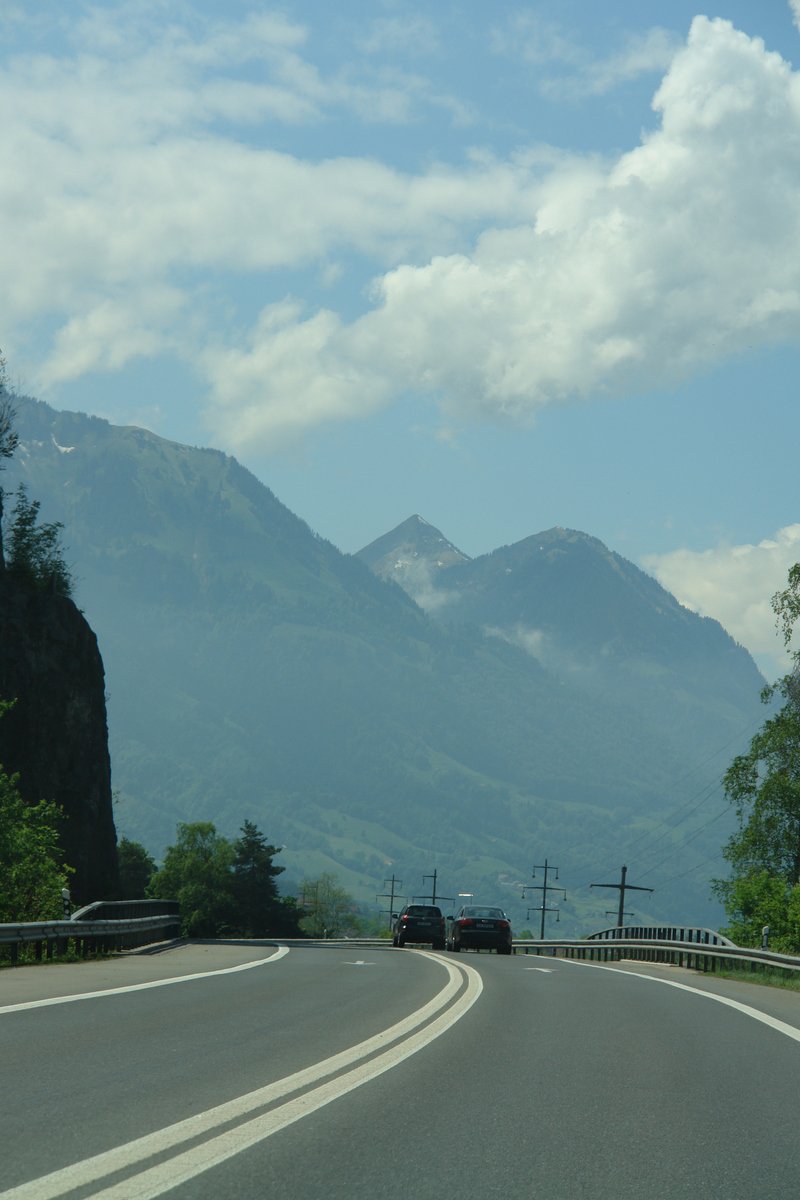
[[9, 439], [258, 905], [764, 787], [329, 910], [32, 870], [786, 606], [198, 873], [136, 869], [34, 551]]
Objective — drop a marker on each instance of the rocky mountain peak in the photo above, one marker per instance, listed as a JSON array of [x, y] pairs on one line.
[[412, 554]]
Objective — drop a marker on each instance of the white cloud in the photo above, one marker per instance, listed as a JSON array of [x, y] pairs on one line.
[[266, 390], [530, 36], [409, 31], [590, 277], [549, 46], [418, 578], [795, 7], [646, 54], [734, 584], [150, 182], [532, 641], [631, 274]]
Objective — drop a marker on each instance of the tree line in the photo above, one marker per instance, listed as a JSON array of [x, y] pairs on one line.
[[225, 888], [763, 785], [29, 550]]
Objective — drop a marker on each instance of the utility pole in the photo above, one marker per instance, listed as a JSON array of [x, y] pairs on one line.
[[432, 896], [611, 913], [544, 888], [309, 901], [622, 887], [395, 884], [556, 910]]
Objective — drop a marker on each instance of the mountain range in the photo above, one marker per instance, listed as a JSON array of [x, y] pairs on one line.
[[391, 713]]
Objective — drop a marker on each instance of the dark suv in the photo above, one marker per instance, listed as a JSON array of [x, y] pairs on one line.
[[419, 923]]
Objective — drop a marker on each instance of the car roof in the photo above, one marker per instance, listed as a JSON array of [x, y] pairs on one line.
[[475, 910]]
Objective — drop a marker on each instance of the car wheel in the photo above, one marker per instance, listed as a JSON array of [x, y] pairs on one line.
[[456, 947], [438, 946], [401, 942]]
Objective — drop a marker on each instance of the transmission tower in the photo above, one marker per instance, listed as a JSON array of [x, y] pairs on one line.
[[544, 888]]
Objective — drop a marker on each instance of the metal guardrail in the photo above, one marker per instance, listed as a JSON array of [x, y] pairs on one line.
[[693, 954], [703, 952], [114, 910], [90, 930], [51, 939]]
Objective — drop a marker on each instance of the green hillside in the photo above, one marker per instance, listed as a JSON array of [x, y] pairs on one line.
[[254, 671]]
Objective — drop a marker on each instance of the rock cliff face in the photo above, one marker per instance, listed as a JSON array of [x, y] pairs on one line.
[[56, 735]]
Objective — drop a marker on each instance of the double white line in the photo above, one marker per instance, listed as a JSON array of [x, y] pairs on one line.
[[213, 1144]]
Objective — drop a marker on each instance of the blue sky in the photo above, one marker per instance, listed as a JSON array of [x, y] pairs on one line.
[[506, 265]]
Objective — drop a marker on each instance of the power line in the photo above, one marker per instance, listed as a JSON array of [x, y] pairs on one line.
[[687, 841], [705, 794]]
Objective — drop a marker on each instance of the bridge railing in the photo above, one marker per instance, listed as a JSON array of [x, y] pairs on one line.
[[697, 955], [663, 933]]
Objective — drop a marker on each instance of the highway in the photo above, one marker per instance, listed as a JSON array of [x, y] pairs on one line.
[[238, 1070]]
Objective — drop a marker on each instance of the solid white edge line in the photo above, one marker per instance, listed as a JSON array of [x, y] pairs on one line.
[[90, 1170], [142, 987], [787, 1030]]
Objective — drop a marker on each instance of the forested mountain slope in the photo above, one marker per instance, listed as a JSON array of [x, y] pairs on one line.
[[255, 671]]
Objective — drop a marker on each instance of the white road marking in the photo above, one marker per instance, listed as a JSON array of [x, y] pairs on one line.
[[360, 963], [153, 1181], [544, 970], [141, 987], [789, 1031]]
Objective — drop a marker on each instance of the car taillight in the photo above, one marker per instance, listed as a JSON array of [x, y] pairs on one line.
[[504, 924], [466, 921]]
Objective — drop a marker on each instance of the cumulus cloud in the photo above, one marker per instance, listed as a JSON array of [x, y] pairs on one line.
[[135, 174], [734, 584], [630, 274], [795, 7], [589, 277]]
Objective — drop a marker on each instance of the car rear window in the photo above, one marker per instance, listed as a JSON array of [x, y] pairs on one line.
[[423, 910]]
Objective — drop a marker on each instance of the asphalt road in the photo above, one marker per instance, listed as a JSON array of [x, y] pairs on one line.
[[343, 1074]]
